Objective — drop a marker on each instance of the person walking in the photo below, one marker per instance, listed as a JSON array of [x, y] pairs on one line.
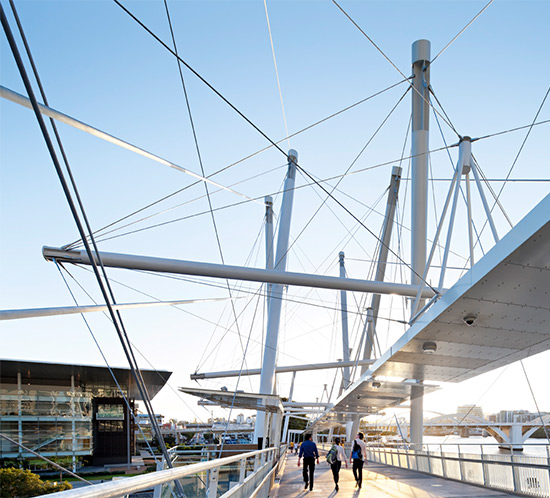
[[335, 457], [358, 456], [308, 450]]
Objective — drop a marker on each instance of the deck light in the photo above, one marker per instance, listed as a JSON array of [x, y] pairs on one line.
[[429, 347]]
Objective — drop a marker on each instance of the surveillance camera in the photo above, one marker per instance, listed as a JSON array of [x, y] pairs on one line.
[[358, 396], [469, 320]]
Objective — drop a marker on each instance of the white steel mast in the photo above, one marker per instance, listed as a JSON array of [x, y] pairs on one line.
[[419, 198], [276, 298]]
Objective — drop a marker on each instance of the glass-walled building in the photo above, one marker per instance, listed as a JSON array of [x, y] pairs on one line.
[[61, 410]]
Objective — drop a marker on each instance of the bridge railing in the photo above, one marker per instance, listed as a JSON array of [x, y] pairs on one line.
[[521, 474], [248, 475]]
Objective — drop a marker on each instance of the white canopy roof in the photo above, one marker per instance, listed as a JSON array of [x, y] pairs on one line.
[[506, 296]]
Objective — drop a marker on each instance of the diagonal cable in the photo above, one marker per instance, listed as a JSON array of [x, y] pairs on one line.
[[199, 156], [108, 318], [546, 431], [188, 66], [101, 233], [225, 168], [388, 59], [347, 210], [55, 465], [276, 70], [341, 178], [103, 284], [511, 130], [523, 144], [530, 128], [460, 32], [59, 267]]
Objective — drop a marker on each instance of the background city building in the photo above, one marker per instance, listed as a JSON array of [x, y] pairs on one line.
[[473, 410], [63, 410]]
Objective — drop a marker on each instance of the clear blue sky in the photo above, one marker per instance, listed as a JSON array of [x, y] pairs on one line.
[[100, 67]]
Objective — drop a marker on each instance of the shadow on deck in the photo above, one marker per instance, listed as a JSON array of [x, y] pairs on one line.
[[380, 481]]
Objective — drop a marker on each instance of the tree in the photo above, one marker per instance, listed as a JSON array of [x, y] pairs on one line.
[[19, 483]]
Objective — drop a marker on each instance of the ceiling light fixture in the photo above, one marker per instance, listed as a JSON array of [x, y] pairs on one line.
[[429, 347]]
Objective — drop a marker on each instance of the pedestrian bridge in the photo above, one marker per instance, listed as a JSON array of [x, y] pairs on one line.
[[389, 472], [379, 480]]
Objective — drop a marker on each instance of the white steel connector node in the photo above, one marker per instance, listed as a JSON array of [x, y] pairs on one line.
[[465, 152]]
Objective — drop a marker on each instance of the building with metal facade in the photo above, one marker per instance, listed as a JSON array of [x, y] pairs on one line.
[[61, 410]]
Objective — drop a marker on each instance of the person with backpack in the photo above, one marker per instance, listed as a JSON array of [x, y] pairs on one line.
[[358, 456], [335, 457]]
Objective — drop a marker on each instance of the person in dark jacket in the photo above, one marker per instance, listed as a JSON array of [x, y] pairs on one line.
[[358, 457], [308, 450]]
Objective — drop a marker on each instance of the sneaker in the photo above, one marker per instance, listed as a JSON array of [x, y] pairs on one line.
[[337, 488], [356, 484], [307, 484]]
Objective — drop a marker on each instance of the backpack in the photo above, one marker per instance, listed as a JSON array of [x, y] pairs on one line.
[[356, 453], [331, 455]]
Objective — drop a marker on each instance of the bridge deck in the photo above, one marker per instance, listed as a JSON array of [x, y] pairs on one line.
[[380, 481]]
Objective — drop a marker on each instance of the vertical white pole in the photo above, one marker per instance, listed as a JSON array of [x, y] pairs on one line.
[[242, 471], [464, 152], [417, 414], [414, 307], [276, 427], [470, 221], [352, 428], [419, 152], [372, 311], [269, 249], [272, 334], [269, 257], [419, 195], [345, 341], [213, 483], [287, 416], [485, 204]]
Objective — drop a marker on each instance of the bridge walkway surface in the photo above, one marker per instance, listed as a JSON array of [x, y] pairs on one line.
[[379, 481]]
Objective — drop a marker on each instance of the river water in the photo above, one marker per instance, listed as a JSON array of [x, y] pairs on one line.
[[473, 444]]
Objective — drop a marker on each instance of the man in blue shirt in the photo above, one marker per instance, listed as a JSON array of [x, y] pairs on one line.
[[308, 450]]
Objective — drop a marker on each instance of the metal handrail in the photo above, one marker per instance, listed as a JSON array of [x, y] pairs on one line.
[[129, 485], [461, 458], [530, 477]]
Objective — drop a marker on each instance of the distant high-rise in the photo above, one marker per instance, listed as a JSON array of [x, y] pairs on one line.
[[511, 416], [473, 410]]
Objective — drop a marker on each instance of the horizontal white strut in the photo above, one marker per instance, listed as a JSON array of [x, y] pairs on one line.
[[298, 404], [164, 265], [70, 310], [285, 369], [79, 125]]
